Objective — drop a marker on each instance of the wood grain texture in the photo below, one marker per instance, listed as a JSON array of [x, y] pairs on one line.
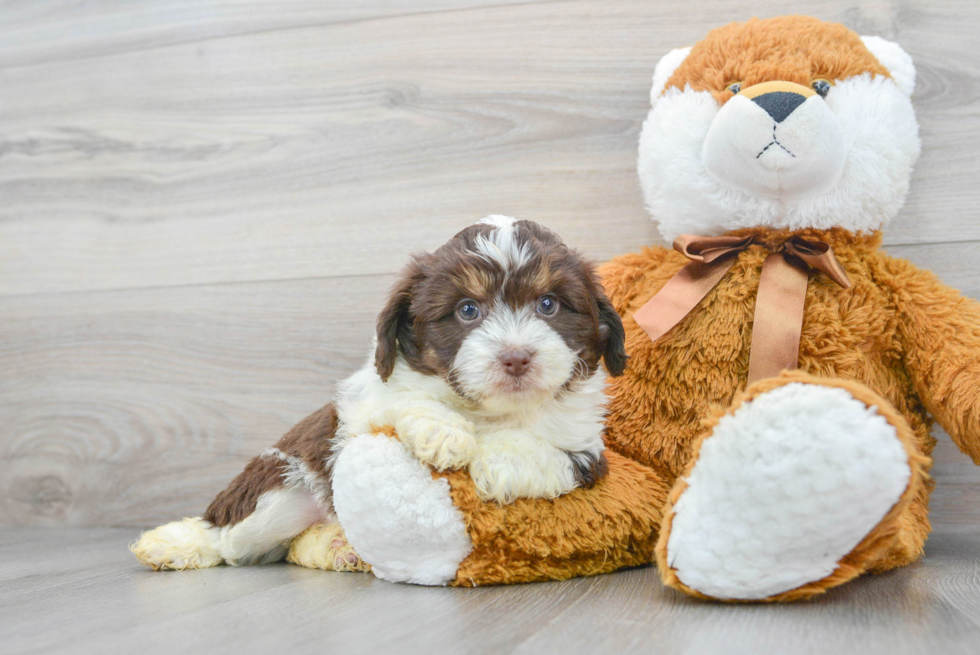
[[119, 406], [85, 582], [202, 205], [257, 148]]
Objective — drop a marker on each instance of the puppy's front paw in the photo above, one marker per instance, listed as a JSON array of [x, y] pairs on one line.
[[445, 442]]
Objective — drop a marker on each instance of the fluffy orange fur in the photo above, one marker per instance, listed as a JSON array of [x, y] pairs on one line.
[[898, 339], [532, 540], [797, 49]]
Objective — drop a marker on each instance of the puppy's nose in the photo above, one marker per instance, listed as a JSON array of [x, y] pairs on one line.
[[516, 362], [779, 99]]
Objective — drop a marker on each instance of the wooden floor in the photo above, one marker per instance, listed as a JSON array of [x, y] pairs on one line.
[[202, 206], [79, 591]]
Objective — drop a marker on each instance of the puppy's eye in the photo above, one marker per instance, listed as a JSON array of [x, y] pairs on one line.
[[468, 310], [547, 305], [734, 87], [822, 87]]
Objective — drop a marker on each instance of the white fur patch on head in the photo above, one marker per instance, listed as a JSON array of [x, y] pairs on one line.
[[501, 244], [895, 59], [880, 143], [478, 371], [398, 518], [665, 68], [754, 520]]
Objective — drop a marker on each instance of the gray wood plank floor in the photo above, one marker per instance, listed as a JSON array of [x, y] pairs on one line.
[[79, 591], [202, 205]]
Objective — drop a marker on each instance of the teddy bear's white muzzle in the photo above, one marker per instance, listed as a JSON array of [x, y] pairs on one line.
[[777, 145]]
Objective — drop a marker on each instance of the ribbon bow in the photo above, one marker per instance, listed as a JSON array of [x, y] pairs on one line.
[[779, 304]]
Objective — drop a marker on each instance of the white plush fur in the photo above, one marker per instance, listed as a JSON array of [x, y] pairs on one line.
[[396, 516], [665, 68], [880, 142], [895, 59], [747, 150], [782, 490], [262, 537]]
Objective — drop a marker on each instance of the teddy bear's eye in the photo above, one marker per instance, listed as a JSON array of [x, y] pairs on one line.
[[822, 87], [734, 87]]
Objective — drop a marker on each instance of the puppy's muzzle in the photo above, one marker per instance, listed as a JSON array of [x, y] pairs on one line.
[[516, 362]]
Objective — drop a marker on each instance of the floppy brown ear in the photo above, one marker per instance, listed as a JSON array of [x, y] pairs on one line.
[[394, 322], [611, 329]]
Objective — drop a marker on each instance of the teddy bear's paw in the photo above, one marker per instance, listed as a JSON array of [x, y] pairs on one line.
[[396, 515], [783, 489], [444, 441], [325, 546]]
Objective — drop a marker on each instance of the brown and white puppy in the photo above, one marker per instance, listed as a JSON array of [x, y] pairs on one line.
[[487, 357]]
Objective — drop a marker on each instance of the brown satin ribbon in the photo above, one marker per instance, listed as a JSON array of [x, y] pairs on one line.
[[779, 302]]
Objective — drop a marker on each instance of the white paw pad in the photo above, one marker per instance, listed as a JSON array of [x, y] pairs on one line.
[[783, 489]]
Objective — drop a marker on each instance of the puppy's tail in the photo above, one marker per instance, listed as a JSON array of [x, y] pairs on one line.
[[280, 494]]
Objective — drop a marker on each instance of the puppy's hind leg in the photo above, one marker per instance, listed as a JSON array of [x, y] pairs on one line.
[[278, 495], [186, 544], [325, 546]]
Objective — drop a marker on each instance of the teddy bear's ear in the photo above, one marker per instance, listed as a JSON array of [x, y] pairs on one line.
[[665, 68], [897, 61]]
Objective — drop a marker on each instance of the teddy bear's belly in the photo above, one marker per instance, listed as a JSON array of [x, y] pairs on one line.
[[658, 405]]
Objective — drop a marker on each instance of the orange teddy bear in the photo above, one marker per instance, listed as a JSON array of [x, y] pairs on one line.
[[773, 154], [783, 134]]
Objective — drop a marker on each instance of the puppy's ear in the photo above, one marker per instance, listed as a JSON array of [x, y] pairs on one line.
[[611, 329], [394, 322]]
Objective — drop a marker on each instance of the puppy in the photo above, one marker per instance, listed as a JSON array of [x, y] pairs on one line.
[[487, 357]]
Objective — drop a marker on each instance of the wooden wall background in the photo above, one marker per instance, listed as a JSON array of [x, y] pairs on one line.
[[203, 202]]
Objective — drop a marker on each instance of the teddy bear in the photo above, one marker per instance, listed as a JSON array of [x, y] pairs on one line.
[[769, 439]]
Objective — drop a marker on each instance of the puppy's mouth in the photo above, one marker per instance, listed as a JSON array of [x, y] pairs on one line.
[[528, 384], [517, 372], [499, 385]]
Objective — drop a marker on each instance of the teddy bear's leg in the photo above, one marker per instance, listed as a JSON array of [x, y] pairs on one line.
[[396, 515], [413, 525], [803, 484], [325, 546], [912, 531]]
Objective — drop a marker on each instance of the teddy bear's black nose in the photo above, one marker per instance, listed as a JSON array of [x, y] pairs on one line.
[[779, 104]]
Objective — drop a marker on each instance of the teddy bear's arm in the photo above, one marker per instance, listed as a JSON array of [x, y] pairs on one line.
[[940, 331]]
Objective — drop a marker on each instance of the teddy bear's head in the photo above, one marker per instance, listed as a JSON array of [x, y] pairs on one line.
[[786, 123]]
